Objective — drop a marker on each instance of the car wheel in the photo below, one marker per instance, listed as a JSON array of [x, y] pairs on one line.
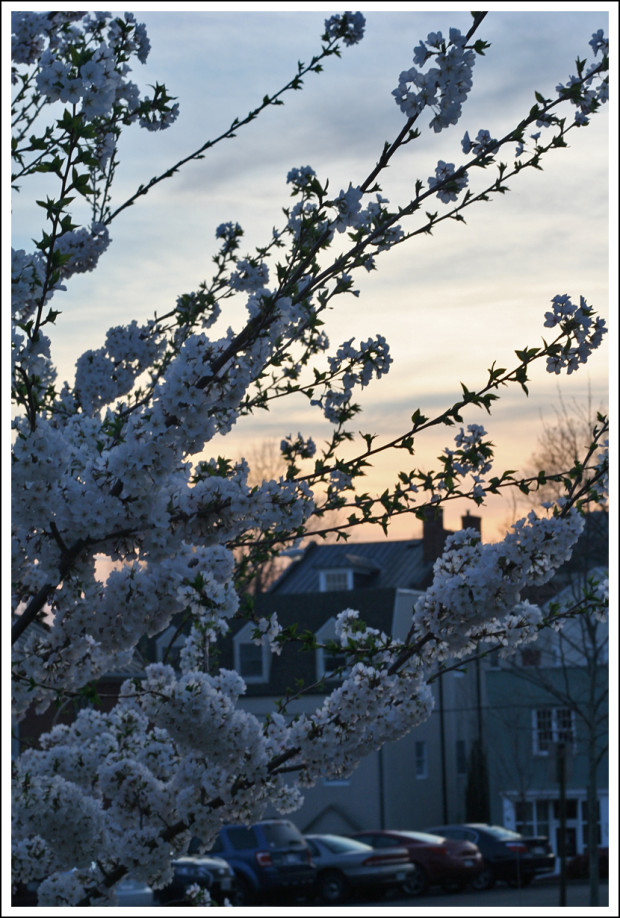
[[243, 894], [520, 881], [485, 879], [332, 887], [417, 882]]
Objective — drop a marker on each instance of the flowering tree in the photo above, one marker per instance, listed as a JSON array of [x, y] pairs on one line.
[[117, 464]]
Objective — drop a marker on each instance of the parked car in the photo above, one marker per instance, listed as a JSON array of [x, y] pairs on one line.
[[212, 873], [131, 892], [436, 859], [270, 859], [346, 866], [508, 855], [579, 866]]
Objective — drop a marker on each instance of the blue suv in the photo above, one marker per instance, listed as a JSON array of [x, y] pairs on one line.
[[270, 859]]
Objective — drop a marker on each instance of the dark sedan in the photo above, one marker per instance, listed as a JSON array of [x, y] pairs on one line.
[[346, 866], [436, 859], [508, 855]]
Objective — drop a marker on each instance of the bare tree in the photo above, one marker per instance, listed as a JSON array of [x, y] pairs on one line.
[[561, 442], [574, 668]]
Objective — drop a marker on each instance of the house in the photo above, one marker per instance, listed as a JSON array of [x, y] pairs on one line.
[[553, 700], [417, 781]]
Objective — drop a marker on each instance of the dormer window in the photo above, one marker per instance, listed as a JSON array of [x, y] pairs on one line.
[[252, 661], [340, 578]]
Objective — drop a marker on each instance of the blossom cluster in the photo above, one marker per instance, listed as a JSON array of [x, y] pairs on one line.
[[96, 79], [586, 333], [348, 26], [371, 358], [451, 186], [584, 93], [482, 144], [476, 587], [444, 87]]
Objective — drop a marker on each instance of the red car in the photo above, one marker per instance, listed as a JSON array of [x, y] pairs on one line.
[[453, 864]]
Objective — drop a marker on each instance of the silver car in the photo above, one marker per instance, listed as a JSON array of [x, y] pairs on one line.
[[346, 866]]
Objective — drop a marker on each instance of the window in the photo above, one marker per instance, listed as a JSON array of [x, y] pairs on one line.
[[461, 757], [328, 663], [552, 725], [242, 838], [524, 816], [337, 579], [251, 660], [421, 765]]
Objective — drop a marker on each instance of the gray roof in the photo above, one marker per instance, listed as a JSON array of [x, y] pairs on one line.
[[386, 564]]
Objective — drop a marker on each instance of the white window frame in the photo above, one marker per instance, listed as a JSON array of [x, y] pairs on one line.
[[324, 575], [554, 729], [244, 636], [421, 760]]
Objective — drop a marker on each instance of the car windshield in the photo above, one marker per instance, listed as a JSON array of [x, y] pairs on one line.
[[338, 845], [282, 835], [424, 837], [501, 833]]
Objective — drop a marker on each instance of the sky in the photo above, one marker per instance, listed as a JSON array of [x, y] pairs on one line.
[[449, 305]]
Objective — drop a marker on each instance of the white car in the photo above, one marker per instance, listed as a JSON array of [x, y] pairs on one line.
[[346, 866]]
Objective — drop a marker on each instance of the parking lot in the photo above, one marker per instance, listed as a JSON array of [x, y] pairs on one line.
[[541, 894]]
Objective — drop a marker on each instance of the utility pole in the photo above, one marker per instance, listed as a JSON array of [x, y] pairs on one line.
[[561, 774], [442, 743]]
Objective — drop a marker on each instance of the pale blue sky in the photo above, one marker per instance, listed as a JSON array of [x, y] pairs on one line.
[[450, 304]]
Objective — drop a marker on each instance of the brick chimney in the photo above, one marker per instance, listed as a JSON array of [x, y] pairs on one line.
[[433, 534], [471, 522]]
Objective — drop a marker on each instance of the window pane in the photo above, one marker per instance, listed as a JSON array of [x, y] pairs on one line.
[[564, 724], [336, 580], [251, 660], [241, 838], [524, 815], [333, 662], [544, 729], [571, 809]]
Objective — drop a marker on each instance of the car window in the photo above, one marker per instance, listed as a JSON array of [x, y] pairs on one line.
[[314, 850], [241, 838], [368, 839], [501, 833], [283, 835], [338, 845], [384, 841], [217, 846]]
